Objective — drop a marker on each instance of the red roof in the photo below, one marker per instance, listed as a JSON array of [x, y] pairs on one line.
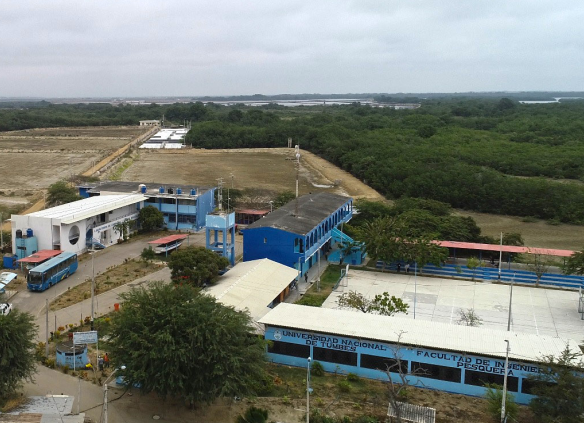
[[168, 239], [505, 248], [40, 256], [252, 211]]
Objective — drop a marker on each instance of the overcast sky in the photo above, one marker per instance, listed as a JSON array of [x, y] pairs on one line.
[[231, 47]]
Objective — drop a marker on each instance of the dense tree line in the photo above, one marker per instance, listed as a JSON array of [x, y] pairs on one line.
[[491, 155]]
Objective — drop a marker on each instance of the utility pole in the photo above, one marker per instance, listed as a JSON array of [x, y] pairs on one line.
[[308, 391], [500, 255], [1, 233], [503, 411], [47, 327], [92, 282]]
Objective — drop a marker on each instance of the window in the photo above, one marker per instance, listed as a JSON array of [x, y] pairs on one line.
[[433, 371], [172, 218], [168, 201], [185, 218], [481, 378], [528, 385], [334, 356], [265, 240], [287, 348], [383, 363]]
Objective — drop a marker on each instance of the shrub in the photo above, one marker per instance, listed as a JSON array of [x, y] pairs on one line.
[[50, 363], [317, 369], [65, 368], [344, 386], [61, 328], [253, 415], [352, 377], [494, 396]]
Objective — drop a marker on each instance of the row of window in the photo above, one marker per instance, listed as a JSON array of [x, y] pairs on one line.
[[430, 371], [182, 218], [181, 202]]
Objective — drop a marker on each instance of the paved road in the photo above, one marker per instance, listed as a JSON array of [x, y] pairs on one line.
[[34, 302]]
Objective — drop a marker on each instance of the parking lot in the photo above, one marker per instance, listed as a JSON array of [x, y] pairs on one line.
[[542, 311]]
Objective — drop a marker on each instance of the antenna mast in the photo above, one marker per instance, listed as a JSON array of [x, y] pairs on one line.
[[297, 151], [220, 193]]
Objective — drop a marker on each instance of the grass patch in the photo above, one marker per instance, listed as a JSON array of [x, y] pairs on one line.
[[110, 279], [116, 175], [328, 279]]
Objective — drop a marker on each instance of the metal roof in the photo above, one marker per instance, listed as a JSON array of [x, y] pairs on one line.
[[40, 256], [167, 239], [88, 207], [152, 188], [312, 210], [505, 248], [417, 333], [52, 262], [253, 285]]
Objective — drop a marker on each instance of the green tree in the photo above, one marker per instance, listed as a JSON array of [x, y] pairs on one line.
[[17, 351], [539, 264], [148, 255], [575, 264], [283, 198], [178, 342], [513, 238], [123, 229], [473, 263], [494, 396], [559, 387], [196, 265], [61, 193], [150, 219], [380, 304], [469, 318]]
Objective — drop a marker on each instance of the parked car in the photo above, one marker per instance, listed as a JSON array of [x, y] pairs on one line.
[[5, 309]]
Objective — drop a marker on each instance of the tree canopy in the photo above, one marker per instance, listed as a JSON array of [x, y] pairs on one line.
[[178, 342], [380, 304], [575, 264], [17, 351], [61, 193], [150, 219], [196, 265], [559, 389]]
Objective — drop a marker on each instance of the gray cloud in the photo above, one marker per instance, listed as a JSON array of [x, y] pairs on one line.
[[179, 47]]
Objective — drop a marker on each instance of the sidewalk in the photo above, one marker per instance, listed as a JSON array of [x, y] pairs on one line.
[[103, 304], [302, 286]]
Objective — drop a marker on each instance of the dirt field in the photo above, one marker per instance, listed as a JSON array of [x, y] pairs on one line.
[[36, 158], [536, 234], [270, 169]]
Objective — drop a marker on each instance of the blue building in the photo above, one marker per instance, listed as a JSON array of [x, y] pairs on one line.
[[184, 207], [445, 357], [295, 240], [220, 234]]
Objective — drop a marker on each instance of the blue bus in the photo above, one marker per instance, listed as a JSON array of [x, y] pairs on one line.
[[52, 271]]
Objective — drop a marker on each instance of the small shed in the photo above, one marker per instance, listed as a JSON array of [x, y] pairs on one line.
[[74, 356]]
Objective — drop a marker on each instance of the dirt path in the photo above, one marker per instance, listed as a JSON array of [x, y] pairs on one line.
[[118, 153]]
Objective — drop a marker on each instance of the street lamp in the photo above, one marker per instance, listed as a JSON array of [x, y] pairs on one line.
[[308, 390], [271, 206], [105, 393]]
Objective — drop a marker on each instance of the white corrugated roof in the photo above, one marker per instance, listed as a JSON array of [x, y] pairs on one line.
[[88, 207], [419, 333], [253, 285]]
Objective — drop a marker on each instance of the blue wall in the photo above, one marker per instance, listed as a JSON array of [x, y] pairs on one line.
[[455, 368], [186, 217], [286, 247]]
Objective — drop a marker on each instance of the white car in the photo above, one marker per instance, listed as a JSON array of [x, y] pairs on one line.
[[5, 309]]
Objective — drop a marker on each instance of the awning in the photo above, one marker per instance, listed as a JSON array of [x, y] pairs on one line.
[[504, 248], [40, 256], [168, 239]]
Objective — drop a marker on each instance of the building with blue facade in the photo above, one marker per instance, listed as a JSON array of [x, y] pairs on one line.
[[184, 207], [220, 234], [451, 358], [293, 238]]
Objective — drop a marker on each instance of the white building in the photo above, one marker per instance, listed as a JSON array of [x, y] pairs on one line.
[[149, 123], [71, 227]]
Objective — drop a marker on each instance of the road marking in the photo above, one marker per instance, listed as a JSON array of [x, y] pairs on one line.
[[534, 319]]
